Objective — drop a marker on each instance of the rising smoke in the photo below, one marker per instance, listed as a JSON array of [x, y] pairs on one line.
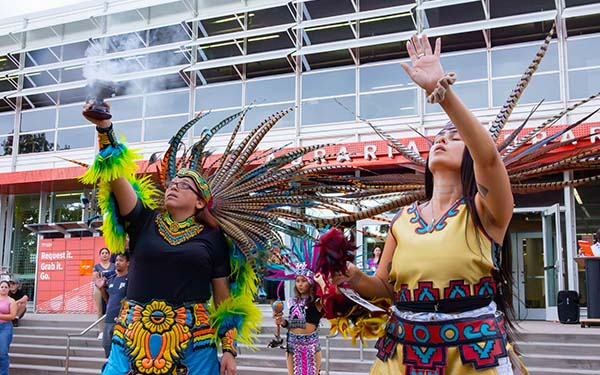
[[99, 67]]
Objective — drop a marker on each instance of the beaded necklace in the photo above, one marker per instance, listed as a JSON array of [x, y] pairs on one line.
[[177, 232]]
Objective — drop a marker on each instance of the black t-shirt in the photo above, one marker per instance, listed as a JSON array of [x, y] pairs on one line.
[[116, 289], [16, 295], [177, 274], [313, 315]]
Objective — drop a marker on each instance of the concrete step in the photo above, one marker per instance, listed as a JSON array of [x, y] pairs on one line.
[[557, 371], [532, 348], [39, 347], [563, 361], [348, 366], [57, 340], [51, 330], [69, 324], [334, 353], [338, 341], [270, 329], [26, 369], [256, 370], [56, 350], [571, 338], [57, 361]]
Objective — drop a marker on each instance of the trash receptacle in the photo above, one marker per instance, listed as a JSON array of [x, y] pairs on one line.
[[568, 306]]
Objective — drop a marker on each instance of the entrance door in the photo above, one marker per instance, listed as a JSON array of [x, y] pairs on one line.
[[537, 267], [369, 235], [528, 261], [553, 259]]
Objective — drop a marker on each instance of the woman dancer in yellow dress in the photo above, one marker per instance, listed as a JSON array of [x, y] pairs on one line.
[[440, 263]]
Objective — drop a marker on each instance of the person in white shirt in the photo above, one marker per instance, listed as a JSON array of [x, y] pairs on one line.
[[596, 245]]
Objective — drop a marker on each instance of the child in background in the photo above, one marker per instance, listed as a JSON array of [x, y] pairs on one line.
[[303, 348]]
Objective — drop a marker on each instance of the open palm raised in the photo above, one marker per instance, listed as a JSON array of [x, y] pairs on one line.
[[426, 68]]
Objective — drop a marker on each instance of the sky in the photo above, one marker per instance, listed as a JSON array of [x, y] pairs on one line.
[[12, 8]]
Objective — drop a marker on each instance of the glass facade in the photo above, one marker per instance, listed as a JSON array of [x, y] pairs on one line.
[[331, 60], [23, 247]]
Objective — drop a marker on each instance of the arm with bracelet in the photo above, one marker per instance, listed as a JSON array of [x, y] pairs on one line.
[[114, 164]]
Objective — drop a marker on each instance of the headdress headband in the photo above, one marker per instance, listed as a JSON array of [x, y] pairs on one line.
[[307, 273], [200, 183]]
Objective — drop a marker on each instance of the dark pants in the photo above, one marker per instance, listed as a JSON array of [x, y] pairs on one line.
[[107, 335]]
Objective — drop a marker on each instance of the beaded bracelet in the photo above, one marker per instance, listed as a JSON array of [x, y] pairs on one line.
[[107, 137], [228, 342], [443, 84]]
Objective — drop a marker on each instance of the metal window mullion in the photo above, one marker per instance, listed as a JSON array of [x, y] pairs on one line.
[[584, 68], [18, 112], [489, 77], [420, 93], [298, 76], [4, 239], [561, 40], [386, 91], [193, 76], [313, 98], [517, 76], [60, 76], [570, 233], [357, 110], [268, 104], [8, 229], [243, 76]]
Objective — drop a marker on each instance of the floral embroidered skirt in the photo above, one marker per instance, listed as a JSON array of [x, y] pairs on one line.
[[304, 349], [157, 338]]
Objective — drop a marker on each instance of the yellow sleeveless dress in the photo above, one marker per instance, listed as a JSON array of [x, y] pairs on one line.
[[448, 260]]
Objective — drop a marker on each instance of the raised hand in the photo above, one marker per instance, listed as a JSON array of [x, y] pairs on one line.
[[99, 123], [426, 68]]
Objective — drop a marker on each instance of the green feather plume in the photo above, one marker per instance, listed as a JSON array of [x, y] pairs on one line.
[[239, 313], [110, 164]]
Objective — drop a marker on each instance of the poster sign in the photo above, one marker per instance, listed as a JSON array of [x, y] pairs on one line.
[[64, 274]]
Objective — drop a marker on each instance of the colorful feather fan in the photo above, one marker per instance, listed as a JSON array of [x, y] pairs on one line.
[[526, 161]]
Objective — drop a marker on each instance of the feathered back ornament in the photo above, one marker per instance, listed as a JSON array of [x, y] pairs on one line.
[[526, 161], [254, 194]]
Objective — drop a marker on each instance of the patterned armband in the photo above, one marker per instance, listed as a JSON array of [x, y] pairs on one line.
[[228, 343], [107, 137]]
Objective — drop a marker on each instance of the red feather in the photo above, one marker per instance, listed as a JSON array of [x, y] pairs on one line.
[[335, 250]]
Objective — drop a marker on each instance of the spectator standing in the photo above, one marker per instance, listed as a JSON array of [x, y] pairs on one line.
[[113, 293], [8, 311], [374, 262], [15, 292], [101, 271]]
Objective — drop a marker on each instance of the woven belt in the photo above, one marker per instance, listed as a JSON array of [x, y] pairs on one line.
[[480, 341]]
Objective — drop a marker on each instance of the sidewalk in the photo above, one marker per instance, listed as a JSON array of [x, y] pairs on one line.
[[536, 326]]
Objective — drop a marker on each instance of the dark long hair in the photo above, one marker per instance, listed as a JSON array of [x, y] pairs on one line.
[[503, 275]]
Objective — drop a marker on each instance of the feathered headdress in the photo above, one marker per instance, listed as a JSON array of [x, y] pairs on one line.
[[287, 263]]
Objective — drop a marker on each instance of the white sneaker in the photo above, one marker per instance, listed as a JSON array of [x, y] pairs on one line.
[[100, 335]]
